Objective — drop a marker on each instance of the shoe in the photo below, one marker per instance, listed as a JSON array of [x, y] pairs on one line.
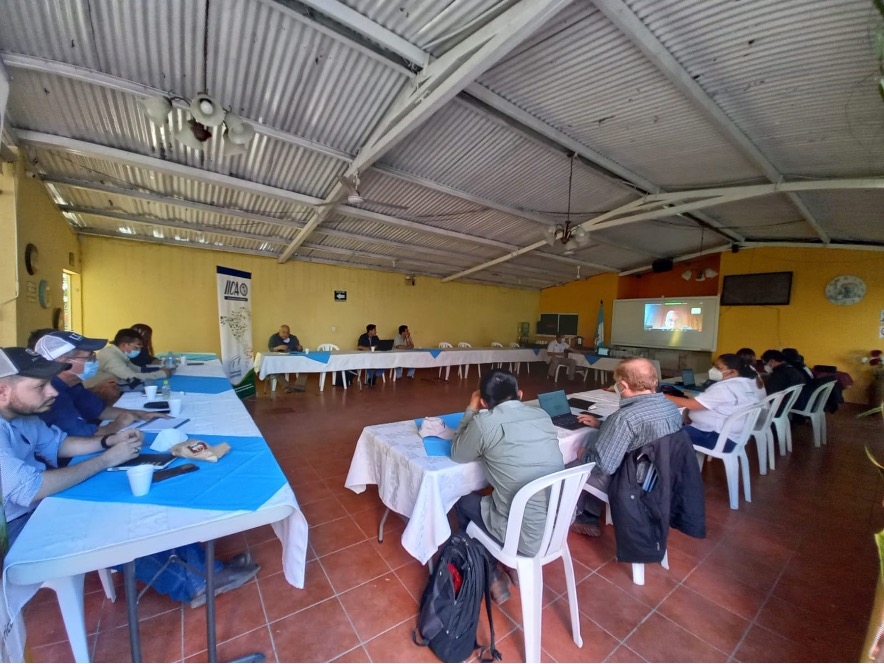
[[298, 388], [290, 388], [229, 578], [500, 585], [586, 525]]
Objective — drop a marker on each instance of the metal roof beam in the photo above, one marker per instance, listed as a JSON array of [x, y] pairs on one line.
[[437, 84], [174, 243], [627, 22]]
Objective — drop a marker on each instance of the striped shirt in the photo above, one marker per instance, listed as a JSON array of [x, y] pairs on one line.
[[640, 420]]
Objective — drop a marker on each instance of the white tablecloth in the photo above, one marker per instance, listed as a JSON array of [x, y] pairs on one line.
[[278, 363], [67, 537], [425, 488]]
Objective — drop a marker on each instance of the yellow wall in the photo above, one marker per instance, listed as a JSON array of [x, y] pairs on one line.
[[823, 332], [8, 251], [37, 221], [582, 298], [173, 289]]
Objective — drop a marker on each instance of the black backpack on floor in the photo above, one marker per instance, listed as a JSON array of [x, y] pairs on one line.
[[448, 621]]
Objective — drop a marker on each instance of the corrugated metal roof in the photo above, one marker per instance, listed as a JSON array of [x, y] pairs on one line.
[[796, 77], [589, 81]]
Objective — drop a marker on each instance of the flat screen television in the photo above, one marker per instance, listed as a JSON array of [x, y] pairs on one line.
[[563, 323], [762, 288]]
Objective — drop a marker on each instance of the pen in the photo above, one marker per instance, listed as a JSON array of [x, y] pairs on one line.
[[182, 423]]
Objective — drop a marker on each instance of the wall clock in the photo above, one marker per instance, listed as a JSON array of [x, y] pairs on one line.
[[845, 290], [32, 256]]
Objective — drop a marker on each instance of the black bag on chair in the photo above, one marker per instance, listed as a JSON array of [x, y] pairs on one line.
[[449, 618]]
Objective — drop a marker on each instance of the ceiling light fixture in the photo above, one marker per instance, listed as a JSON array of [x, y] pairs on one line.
[[205, 112], [566, 232]]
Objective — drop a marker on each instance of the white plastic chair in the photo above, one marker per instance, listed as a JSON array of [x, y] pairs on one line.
[[763, 434], [330, 347], [563, 489], [583, 370], [781, 424], [736, 459], [638, 569], [273, 377], [463, 371], [498, 365], [815, 410], [443, 345]]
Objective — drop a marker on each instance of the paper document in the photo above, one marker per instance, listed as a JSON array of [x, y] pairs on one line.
[[159, 424]]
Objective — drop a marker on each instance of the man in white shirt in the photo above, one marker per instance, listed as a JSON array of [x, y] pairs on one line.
[[557, 351]]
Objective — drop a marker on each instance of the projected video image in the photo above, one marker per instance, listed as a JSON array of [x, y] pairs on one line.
[[673, 316]]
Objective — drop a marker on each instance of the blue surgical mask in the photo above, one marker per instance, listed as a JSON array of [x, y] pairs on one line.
[[89, 370], [132, 354]]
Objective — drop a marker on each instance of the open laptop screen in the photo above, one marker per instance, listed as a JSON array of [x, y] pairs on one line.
[[554, 403], [687, 377], [603, 352]]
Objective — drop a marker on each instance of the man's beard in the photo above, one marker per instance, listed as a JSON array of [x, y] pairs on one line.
[[22, 410]]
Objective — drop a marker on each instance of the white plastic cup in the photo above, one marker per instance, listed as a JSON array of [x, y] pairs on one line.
[[183, 361], [150, 391], [306, 351], [372, 348], [174, 407], [140, 478]]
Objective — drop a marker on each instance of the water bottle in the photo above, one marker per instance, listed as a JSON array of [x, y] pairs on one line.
[[170, 361], [167, 390]]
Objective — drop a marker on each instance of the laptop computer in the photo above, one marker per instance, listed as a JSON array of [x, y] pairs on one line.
[[689, 382], [385, 344], [556, 406], [603, 352]]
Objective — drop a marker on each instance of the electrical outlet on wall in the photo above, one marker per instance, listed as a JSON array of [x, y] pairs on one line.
[[334, 328]]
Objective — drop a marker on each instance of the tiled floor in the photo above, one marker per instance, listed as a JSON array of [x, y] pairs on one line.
[[788, 577]]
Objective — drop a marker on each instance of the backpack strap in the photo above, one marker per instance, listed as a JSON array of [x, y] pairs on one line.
[[489, 654]]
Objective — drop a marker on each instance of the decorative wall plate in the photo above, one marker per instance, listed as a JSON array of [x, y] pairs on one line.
[[845, 289], [44, 294]]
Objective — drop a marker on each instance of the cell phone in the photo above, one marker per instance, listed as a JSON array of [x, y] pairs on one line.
[[157, 404], [161, 475]]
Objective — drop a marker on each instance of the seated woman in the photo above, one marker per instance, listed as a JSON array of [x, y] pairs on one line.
[[146, 356], [736, 386], [750, 360]]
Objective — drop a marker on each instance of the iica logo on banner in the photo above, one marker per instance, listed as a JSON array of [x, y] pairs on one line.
[[235, 320]]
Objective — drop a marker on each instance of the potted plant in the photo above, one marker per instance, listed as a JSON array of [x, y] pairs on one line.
[[876, 390]]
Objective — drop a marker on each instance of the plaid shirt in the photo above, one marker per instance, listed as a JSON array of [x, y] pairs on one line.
[[639, 420]]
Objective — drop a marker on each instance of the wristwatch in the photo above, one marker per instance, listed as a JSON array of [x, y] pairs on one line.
[[104, 441]]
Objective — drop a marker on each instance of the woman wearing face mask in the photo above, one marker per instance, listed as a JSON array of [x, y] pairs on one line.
[[146, 356], [115, 361], [736, 386]]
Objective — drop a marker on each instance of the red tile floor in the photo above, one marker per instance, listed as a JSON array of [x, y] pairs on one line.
[[788, 577]]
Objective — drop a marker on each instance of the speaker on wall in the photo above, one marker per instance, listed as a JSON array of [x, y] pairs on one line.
[[662, 265]]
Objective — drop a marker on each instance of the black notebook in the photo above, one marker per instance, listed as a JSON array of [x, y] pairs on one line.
[[158, 461]]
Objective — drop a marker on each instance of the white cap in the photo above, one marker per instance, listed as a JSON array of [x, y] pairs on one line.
[[56, 344], [434, 426]]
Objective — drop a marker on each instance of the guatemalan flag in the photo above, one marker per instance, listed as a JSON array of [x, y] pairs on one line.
[[600, 326]]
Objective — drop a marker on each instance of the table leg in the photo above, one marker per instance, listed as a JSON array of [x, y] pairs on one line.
[[132, 610], [381, 527], [69, 591], [210, 602]]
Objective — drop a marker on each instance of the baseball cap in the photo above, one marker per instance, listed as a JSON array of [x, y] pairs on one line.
[[25, 362], [55, 344], [434, 426]]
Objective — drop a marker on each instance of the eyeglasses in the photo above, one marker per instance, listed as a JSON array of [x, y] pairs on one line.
[[83, 358]]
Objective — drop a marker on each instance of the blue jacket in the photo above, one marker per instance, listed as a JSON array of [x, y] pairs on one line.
[[76, 410]]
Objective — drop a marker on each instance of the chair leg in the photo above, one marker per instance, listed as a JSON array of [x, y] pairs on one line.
[[638, 574], [69, 591], [771, 457], [744, 467], [322, 381], [814, 422], [608, 520], [665, 562], [761, 447], [571, 584], [823, 427], [733, 480], [107, 584], [531, 590]]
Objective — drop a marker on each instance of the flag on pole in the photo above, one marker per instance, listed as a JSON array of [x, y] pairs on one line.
[[600, 326]]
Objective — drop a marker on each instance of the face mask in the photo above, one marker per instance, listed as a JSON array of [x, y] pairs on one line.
[[89, 369], [715, 374], [768, 368], [617, 388], [132, 354]]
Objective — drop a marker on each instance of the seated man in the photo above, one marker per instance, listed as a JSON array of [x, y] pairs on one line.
[[779, 374], [285, 342], [29, 455], [516, 444], [107, 391], [76, 410], [403, 341], [643, 417], [368, 341], [115, 362], [557, 351]]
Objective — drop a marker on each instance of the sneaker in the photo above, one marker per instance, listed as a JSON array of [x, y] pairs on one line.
[[298, 388], [500, 585], [229, 578]]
